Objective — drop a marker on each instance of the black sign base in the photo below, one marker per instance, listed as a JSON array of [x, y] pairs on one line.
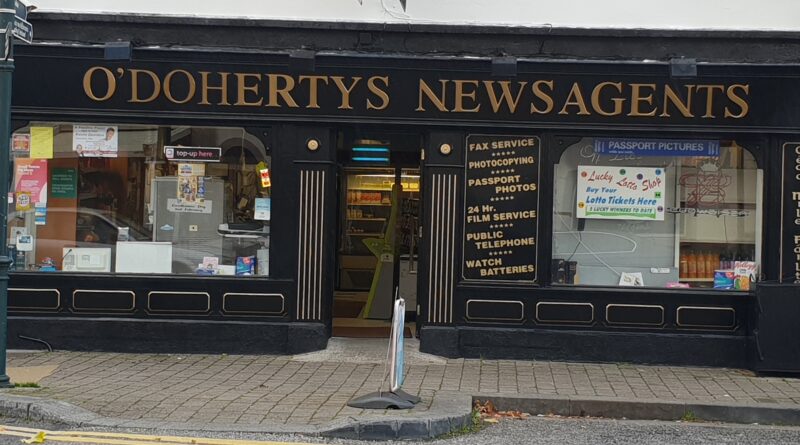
[[385, 400]]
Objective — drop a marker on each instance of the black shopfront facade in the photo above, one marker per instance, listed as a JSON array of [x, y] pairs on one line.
[[507, 266]]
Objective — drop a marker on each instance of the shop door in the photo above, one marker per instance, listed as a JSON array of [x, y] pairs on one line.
[[378, 249]]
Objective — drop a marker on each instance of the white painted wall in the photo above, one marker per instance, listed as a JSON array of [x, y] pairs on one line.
[[782, 15]]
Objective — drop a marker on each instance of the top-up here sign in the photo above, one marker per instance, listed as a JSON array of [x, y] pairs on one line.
[[621, 193]]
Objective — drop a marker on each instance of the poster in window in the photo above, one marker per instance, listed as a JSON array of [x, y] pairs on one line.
[[21, 144], [95, 141], [632, 193], [30, 176], [40, 213], [42, 142], [24, 203], [263, 209], [195, 169], [191, 190], [64, 183]]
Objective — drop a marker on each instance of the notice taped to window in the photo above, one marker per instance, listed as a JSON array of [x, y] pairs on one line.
[[501, 206], [621, 193]]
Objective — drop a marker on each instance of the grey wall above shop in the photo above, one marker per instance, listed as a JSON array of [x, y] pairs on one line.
[[419, 39]]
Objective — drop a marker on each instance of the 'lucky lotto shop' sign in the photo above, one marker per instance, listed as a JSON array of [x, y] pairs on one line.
[[621, 193]]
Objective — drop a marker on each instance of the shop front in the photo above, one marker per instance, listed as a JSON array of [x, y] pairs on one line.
[[247, 203]]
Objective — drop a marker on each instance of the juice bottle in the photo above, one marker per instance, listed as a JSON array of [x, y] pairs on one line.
[[684, 265], [710, 265], [701, 265], [692, 265], [714, 263]]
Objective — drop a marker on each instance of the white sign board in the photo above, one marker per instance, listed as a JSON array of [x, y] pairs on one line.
[[621, 193], [143, 257], [96, 141]]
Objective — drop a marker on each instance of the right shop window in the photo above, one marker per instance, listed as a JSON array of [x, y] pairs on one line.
[[657, 213]]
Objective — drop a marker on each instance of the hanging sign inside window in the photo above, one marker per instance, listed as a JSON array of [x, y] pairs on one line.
[[502, 199], [193, 154], [656, 147], [621, 193], [95, 141]]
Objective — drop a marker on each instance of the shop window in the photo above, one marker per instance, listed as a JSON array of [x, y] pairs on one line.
[[139, 199], [657, 213]]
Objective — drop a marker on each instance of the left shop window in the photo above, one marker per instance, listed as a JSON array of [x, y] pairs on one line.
[[112, 198]]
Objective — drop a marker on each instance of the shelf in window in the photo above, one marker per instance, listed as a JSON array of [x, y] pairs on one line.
[[366, 219], [694, 241], [364, 233], [381, 204], [696, 280], [730, 205]]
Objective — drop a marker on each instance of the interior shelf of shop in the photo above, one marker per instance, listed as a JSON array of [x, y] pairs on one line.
[[368, 204], [698, 241], [697, 280], [366, 219], [364, 234]]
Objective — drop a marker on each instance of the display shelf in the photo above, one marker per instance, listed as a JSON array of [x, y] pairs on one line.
[[696, 280], [380, 204], [716, 242], [364, 234], [366, 219]]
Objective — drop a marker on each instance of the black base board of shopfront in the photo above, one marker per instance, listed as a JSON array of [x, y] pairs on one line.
[[166, 336], [590, 346], [774, 346]]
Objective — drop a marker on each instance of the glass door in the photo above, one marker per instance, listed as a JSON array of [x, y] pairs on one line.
[[408, 239], [378, 241]]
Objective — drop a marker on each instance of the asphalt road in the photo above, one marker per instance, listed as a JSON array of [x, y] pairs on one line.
[[550, 431]]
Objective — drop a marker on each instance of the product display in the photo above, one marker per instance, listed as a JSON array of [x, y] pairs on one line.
[[153, 203], [245, 266]]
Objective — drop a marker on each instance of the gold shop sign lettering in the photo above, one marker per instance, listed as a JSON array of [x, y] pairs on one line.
[[790, 214], [408, 95]]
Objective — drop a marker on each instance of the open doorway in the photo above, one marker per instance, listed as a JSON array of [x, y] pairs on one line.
[[378, 247]]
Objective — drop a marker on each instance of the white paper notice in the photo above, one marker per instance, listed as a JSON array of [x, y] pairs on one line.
[[188, 207], [263, 209]]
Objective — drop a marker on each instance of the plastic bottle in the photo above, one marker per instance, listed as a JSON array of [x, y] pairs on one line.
[[684, 265], [710, 265], [692, 265], [701, 265]]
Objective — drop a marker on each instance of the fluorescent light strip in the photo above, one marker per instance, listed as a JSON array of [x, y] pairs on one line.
[[365, 159], [371, 149]]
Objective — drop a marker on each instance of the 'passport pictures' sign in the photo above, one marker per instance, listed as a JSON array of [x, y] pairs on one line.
[[502, 199], [656, 147], [621, 193]]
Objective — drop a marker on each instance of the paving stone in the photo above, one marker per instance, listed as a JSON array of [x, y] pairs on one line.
[[214, 389]]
